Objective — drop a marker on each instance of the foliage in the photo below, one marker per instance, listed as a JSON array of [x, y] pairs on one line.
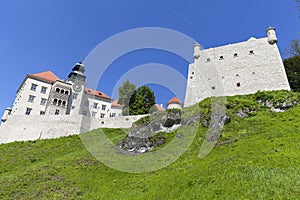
[[292, 68], [125, 92], [261, 162], [141, 101], [143, 120]]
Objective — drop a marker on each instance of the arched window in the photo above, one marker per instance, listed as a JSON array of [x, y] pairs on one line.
[[62, 91], [66, 92], [59, 102], [55, 101], [57, 90], [64, 103]]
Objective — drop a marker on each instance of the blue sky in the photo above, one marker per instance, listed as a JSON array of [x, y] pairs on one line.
[[52, 35]]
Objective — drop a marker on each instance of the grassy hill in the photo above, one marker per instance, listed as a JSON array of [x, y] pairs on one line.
[[257, 158]]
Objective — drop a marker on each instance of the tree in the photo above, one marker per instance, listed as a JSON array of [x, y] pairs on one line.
[[294, 49], [141, 101], [125, 92], [292, 68]]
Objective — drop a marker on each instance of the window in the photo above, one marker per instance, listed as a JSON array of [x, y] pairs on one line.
[[28, 110], [193, 72], [64, 103], [33, 87], [236, 74], [57, 89], [94, 114], [113, 114], [235, 55], [66, 92], [42, 112], [208, 60], [86, 104], [55, 101], [75, 96], [59, 102], [95, 105], [43, 90], [221, 58], [62, 91], [213, 87], [103, 107], [73, 107], [31, 98], [238, 84], [56, 112], [251, 52], [43, 101], [84, 113], [102, 115]]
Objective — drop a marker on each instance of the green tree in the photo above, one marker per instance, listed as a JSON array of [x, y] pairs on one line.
[[292, 68], [141, 101], [294, 49], [125, 92]]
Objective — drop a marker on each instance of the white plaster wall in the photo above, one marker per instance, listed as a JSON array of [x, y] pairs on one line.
[[174, 105], [117, 111], [24, 128], [21, 101], [262, 70]]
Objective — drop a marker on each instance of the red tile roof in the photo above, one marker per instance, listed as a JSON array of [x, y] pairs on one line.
[[174, 100], [159, 107], [46, 76], [115, 103], [96, 93]]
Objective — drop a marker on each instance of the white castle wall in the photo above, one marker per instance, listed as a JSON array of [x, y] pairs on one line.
[[24, 128], [238, 72]]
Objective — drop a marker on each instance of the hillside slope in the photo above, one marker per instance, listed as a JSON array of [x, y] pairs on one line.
[[256, 158]]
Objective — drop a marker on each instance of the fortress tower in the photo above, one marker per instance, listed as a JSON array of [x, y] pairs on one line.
[[236, 69]]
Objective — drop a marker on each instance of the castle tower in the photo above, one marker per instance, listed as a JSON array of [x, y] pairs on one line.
[[271, 33], [77, 79], [6, 114], [197, 51]]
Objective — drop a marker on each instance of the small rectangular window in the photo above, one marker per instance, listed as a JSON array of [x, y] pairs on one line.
[[102, 115], [75, 95], [103, 107], [221, 58], [213, 87], [95, 106], [43, 101], [43, 90], [42, 112], [238, 84], [235, 55], [251, 52], [113, 114], [208, 60], [56, 112], [28, 111], [31, 98], [33, 87]]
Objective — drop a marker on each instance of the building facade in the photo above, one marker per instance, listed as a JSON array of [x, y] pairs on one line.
[[45, 94], [236, 69]]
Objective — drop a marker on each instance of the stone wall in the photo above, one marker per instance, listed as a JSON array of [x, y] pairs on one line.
[[24, 128], [241, 68]]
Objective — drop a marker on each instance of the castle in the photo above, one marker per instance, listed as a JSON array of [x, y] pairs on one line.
[[236, 69], [47, 107], [45, 94]]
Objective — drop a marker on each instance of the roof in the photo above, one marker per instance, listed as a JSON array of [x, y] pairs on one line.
[[174, 100], [46, 76], [96, 93], [159, 107], [115, 103]]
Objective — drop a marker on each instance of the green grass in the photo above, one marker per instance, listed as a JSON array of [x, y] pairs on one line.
[[262, 163]]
